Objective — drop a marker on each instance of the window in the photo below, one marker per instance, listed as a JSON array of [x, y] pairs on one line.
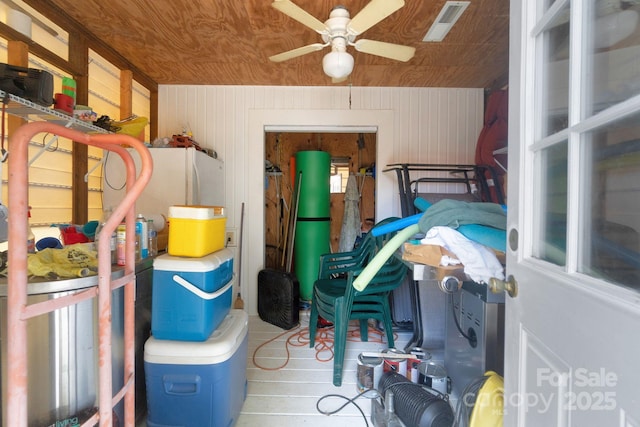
[[339, 177], [50, 174], [586, 150]]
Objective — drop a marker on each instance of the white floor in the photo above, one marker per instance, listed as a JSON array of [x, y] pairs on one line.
[[288, 396], [287, 381]]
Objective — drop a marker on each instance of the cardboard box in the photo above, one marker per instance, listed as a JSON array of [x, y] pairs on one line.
[[431, 255]]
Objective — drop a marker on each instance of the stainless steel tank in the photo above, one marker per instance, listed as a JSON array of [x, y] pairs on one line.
[[63, 352]]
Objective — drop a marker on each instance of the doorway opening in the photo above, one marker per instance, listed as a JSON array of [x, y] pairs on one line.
[[352, 154]]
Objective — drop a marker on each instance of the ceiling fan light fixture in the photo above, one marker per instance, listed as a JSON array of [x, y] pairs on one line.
[[337, 65], [340, 32]]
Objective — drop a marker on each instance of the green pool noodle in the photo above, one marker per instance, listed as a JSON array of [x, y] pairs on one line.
[[387, 251]]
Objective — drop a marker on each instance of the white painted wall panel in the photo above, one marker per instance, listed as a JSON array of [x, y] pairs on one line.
[[416, 125]]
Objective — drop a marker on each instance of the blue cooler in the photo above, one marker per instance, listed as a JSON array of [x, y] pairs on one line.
[[198, 384], [191, 296]]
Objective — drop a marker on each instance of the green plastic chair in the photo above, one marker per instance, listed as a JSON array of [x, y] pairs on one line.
[[339, 263], [336, 300]]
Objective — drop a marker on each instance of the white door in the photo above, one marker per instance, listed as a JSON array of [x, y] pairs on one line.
[[573, 330]]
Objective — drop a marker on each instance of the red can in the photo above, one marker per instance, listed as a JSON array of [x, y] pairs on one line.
[[394, 364]]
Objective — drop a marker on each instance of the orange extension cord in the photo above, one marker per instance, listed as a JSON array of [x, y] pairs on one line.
[[324, 342]]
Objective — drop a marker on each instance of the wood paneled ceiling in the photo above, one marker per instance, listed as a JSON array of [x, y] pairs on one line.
[[228, 42]]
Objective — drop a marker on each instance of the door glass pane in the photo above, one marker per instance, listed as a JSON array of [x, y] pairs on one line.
[[546, 4], [555, 84], [612, 203], [553, 204], [614, 55]]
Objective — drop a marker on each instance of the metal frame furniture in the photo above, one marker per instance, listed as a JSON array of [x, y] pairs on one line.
[[18, 309]]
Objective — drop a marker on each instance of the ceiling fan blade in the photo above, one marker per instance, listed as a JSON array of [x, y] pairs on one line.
[[296, 52], [388, 50], [302, 16], [340, 80], [373, 13]]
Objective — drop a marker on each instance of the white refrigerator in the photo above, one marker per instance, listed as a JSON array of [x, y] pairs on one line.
[[181, 176]]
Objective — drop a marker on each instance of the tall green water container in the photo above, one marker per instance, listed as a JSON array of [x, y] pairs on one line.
[[312, 240], [314, 194], [313, 169]]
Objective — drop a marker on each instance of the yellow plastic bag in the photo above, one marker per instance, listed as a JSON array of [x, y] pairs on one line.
[[69, 262], [131, 126]]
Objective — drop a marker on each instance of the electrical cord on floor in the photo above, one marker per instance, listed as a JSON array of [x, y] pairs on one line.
[[374, 394], [324, 342], [348, 401], [299, 337], [287, 343]]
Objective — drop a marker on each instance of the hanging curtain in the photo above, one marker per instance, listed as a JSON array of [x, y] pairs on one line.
[[351, 218]]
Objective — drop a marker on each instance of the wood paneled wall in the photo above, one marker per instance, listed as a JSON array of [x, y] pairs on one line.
[[429, 125], [279, 186]]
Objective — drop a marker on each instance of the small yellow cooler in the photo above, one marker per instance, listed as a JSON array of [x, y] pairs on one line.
[[196, 231]]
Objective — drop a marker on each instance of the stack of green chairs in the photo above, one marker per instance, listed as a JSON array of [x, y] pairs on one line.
[[336, 300]]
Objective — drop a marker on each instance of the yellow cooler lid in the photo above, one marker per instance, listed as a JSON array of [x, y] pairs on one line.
[[196, 212]]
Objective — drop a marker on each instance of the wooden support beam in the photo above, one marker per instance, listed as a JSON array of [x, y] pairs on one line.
[[153, 119], [126, 94], [79, 58], [18, 55]]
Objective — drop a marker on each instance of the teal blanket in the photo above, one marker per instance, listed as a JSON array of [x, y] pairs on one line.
[[454, 213]]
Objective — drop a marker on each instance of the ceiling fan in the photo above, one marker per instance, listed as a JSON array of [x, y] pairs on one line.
[[340, 31]]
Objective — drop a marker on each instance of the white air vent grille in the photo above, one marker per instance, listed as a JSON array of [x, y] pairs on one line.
[[448, 16]]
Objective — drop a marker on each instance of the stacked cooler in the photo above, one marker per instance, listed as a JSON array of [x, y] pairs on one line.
[[195, 361]]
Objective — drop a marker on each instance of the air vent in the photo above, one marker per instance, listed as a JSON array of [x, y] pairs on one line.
[[448, 16]]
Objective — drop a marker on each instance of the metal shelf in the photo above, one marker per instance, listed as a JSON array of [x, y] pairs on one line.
[[31, 111]]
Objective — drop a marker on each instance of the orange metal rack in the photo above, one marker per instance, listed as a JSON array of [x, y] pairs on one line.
[[18, 311]]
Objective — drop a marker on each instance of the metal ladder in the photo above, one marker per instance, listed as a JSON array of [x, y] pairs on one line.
[[18, 311]]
